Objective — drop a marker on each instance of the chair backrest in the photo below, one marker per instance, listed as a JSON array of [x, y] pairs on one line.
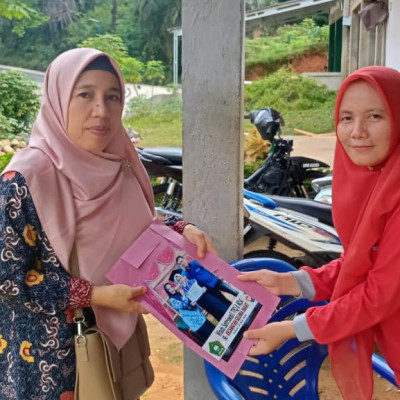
[[381, 367], [290, 372]]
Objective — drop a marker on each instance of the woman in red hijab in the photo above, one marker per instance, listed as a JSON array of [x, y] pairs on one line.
[[363, 286]]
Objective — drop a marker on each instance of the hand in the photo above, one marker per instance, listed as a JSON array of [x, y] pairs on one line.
[[118, 297], [270, 337], [277, 283], [200, 239]]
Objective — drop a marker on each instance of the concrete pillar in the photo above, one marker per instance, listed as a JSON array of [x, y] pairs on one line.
[[212, 88]]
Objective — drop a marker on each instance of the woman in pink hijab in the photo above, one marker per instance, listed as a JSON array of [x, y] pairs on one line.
[[363, 286], [79, 184]]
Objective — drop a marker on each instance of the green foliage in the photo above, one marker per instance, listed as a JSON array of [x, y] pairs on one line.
[[4, 160], [19, 100], [84, 26], [26, 17], [155, 72], [7, 127], [286, 90], [110, 44], [250, 168], [132, 69], [289, 41], [309, 103]]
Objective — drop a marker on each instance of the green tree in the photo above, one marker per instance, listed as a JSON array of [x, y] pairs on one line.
[[114, 14], [26, 17], [19, 101], [155, 17], [132, 70], [110, 44], [154, 72]]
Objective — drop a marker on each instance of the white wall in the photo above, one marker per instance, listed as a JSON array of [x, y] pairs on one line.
[[392, 36]]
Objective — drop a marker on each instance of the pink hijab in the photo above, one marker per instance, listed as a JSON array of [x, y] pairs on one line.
[[367, 198], [81, 196]]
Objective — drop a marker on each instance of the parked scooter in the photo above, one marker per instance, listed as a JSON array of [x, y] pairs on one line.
[[302, 225]]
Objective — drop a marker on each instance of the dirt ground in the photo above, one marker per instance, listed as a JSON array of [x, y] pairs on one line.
[[308, 63], [167, 354], [167, 359]]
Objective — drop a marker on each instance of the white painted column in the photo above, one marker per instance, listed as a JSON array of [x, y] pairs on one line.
[[212, 87]]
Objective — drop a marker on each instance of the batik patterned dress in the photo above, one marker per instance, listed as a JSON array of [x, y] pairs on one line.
[[37, 297]]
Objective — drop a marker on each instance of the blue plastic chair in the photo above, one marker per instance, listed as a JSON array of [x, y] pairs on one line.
[[381, 367], [291, 371]]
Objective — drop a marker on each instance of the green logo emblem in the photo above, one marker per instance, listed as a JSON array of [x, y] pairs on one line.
[[216, 348]]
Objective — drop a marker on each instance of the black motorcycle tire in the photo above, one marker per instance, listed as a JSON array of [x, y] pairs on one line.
[[270, 254]]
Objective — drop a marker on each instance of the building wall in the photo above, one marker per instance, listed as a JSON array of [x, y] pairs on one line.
[[361, 47], [392, 36]]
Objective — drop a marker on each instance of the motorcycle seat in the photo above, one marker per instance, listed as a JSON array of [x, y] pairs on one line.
[[321, 211], [173, 154]]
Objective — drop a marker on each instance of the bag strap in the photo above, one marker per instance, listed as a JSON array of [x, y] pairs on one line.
[[74, 268]]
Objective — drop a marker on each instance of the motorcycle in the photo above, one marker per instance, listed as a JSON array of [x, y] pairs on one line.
[[280, 174], [303, 226], [298, 231]]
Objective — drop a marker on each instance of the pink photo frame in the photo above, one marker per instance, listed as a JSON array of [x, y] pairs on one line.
[[199, 300]]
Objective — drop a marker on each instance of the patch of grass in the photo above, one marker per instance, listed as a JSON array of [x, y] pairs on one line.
[[158, 130], [159, 124], [315, 121], [4, 160]]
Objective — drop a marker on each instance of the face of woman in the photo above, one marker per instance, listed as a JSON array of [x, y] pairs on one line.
[[178, 278], [364, 125], [95, 110], [170, 289]]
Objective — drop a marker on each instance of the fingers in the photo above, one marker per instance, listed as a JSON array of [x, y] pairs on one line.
[[140, 309], [254, 333], [200, 239], [258, 349], [138, 291], [136, 307], [201, 246], [261, 345], [252, 276]]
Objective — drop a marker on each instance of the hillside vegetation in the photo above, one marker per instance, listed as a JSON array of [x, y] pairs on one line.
[[285, 44]]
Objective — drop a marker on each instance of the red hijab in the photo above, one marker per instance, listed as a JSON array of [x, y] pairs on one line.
[[364, 199]]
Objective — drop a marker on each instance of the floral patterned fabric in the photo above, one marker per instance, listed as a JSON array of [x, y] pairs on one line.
[[37, 297]]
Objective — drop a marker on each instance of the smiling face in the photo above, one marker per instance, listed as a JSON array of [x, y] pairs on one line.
[[364, 126], [169, 288], [182, 262], [95, 110], [178, 278]]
